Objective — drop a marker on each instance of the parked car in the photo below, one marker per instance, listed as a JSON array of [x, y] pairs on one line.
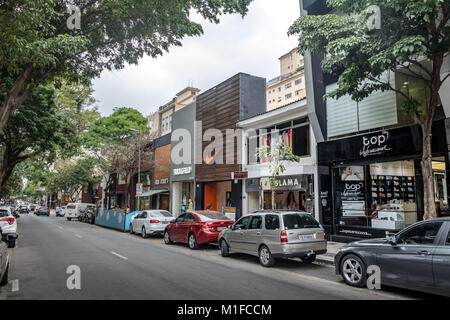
[[43, 211], [62, 212], [4, 261], [15, 211], [273, 234], [31, 208], [196, 228], [73, 210], [416, 258], [9, 226], [87, 215], [23, 209], [150, 222]]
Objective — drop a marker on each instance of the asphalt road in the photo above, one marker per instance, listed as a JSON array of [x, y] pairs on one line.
[[117, 265]]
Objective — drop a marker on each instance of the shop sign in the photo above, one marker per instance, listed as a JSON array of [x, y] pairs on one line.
[[138, 189], [184, 170], [239, 175], [164, 181], [285, 183], [374, 144]]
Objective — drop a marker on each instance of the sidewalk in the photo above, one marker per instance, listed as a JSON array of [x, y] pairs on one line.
[[332, 249]]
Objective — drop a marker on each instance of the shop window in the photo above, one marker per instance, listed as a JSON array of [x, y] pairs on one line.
[[300, 141], [272, 222]]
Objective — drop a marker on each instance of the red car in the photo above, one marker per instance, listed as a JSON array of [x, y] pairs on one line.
[[196, 228]]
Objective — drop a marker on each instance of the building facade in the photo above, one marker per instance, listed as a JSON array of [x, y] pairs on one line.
[[289, 86], [369, 152], [297, 185], [218, 110]]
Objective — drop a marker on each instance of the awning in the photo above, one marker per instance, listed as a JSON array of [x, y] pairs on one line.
[[145, 195]]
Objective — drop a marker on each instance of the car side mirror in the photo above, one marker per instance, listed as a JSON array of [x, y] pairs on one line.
[[392, 241]]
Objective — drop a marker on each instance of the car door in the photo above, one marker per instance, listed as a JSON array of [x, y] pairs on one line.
[[185, 226], [175, 230], [236, 237], [441, 263], [408, 263], [252, 235], [141, 221]]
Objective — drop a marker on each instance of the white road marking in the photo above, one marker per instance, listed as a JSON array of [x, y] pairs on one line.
[[78, 236], [60, 227], [118, 255], [15, 285]]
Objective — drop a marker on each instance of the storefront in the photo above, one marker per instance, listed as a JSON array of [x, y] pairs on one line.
[[296, 186], [160, 197], [182, 160], [371, 185]]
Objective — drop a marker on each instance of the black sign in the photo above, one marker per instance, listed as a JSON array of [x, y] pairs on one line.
[[400, 142]]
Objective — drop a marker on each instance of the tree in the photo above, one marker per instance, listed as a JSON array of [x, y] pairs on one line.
[[71, 176], [78, 39], [33, 132], [414, 36], [277, 155], [115, 146]]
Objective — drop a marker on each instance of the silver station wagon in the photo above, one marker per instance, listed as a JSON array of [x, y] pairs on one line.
[[272, 234]]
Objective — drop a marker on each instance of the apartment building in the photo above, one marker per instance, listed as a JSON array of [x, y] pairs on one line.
[[289, 86]]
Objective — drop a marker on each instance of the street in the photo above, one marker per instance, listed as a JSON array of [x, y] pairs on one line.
[[116, 265]]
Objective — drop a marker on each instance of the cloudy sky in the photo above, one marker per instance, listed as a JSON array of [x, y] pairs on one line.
[[251, 45]]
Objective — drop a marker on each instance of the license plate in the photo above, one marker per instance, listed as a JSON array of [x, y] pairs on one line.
[[307, 237], [165, 222], [220, 228]]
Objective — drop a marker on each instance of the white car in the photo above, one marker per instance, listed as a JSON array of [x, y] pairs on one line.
[[150, 222], [8, 224], [73, 209]]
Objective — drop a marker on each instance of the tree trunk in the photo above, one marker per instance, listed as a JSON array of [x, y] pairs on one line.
[[15, 97], [427, 173], [7, 168], [273, 200]]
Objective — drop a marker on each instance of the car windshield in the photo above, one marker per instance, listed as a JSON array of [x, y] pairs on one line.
[[4, 213], [71, 207], [160, 214], [299, 221], [212, 216]]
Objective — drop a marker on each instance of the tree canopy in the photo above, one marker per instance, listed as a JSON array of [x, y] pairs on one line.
[[38, 41]]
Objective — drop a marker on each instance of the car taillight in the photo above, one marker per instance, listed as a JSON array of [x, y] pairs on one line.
[[283, 236], [9, 219], [324, 234], [208, 227], [154, 221]]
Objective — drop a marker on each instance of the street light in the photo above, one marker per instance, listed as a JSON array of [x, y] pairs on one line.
[[139, 164]]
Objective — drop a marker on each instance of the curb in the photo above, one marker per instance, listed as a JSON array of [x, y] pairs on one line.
[[329, 261]]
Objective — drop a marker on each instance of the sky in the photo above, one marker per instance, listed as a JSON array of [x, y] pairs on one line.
[[250, 45]]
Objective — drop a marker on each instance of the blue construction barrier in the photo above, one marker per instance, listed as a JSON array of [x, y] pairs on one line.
[[115, 219], [128, 218]]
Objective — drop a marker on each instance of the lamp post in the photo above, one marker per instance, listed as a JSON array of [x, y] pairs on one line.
[[139, 164]]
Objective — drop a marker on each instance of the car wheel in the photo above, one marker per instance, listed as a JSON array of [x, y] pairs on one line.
[[353, 271], [309, 259], [167, 238], [192, 241], [265, 257], [224, 249], [144, 233], [131, 229], [4, 280], [12, 243]]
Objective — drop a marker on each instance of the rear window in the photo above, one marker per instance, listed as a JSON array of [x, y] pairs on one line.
[[4, 213], [71, 207], [299, 221], [160, 214], [212, 216]]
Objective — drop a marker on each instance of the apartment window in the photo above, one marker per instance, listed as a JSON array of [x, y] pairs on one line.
[[298, 81], [288, 85], [288, 96], [297, 92], [279, 89]]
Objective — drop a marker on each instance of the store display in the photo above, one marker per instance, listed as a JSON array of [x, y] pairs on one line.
[[387, 188]]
